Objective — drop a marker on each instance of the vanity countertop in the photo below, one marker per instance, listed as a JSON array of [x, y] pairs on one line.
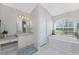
[[8, 39], [24, 34]]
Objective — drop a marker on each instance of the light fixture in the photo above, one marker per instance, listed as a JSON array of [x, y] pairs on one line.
[[19, 16], [24, 17]]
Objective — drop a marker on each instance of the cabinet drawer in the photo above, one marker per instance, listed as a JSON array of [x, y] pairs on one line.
[[25, 41]]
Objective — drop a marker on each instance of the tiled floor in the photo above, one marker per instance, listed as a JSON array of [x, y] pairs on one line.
[[48, 50]]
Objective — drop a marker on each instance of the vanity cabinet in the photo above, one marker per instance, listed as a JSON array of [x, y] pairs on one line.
[[8, 46], [25, 40]]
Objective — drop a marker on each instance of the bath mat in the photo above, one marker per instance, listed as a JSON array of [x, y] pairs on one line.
[[27, 51]]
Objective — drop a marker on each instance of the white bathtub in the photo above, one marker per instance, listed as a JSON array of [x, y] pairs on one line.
[[65, 43]]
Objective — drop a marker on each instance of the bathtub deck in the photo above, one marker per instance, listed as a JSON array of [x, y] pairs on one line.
[[66, 44], [49, 50]]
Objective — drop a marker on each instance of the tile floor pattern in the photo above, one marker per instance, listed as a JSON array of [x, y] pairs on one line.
[[48, 50]]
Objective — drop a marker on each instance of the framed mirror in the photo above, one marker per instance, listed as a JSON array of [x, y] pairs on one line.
[[24, 24]]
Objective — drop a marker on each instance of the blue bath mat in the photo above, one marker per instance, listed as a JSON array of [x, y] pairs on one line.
[[27, 51]]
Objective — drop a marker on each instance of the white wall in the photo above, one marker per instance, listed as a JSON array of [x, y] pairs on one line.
[[9, 15], [42, 24], [45, 25], [34, 17]]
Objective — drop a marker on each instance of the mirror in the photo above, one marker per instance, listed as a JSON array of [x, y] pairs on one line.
[[24, 24]]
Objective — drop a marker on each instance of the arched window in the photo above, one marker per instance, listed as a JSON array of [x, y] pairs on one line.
[[64, 26]]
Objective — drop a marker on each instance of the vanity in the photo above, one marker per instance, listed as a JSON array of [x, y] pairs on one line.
[[12, 43], [7, 44], [25, 39], [24, 31]]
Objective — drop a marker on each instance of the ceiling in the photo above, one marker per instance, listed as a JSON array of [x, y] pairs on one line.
[[53, 8], [60, 8], [25, 7]]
